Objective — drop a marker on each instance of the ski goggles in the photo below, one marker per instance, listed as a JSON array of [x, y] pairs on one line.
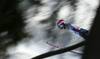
[[61, 26]]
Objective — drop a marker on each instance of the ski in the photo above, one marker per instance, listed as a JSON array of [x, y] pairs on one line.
[[61, 47]]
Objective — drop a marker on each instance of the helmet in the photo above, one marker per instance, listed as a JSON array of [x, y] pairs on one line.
[[60, 22]]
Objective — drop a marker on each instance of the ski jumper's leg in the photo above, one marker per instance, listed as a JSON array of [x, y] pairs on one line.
[[80, 31]]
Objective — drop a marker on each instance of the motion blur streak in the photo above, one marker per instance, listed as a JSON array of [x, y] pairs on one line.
[[40, 19]]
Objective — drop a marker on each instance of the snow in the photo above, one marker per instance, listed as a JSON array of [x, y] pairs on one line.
[[42, 32]]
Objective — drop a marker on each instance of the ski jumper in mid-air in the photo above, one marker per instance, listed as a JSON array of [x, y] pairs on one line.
[[73, 28]]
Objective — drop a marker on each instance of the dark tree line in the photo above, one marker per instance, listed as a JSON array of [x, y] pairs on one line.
[[92, 48], [11, 22]]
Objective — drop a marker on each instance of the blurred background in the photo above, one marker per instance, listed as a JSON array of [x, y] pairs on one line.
[[26, 26]]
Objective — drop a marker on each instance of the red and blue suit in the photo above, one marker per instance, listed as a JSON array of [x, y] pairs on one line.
[[77, 30]]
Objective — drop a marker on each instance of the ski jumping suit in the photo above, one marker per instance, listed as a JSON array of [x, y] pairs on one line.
[[77, 30]]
